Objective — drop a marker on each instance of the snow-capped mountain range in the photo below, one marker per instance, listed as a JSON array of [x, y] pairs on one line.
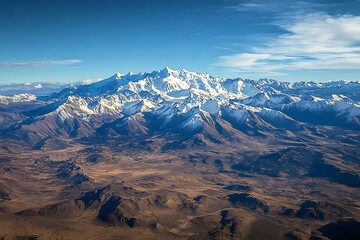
[[23, 97], [184, 102]]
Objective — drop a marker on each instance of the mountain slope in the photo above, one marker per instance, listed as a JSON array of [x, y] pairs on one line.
[[180, 101]]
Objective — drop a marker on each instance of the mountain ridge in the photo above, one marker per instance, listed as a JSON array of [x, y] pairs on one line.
[[181, 155], [180, 100]]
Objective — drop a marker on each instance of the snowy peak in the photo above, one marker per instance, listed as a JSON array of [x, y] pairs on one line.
[[180, 101], [166, 71], [117, 75], [24, 97]]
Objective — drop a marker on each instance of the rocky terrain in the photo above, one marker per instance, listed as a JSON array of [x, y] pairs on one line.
[[175, 154]]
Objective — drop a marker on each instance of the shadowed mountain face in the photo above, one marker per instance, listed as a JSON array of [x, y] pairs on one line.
[[182, 155], [171, 102]]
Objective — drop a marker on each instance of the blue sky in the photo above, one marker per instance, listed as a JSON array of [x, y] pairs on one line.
[[69, 41]]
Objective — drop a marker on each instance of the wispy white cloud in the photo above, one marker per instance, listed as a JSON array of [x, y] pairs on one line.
[[313, 42], [89, 81], [280, 7], [39, 63], [224, 48]]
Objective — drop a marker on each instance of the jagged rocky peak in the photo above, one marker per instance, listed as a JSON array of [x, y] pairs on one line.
[[181, 99]]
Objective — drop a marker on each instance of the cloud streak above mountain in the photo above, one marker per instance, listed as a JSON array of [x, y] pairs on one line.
[[39, 63], [315, 42]]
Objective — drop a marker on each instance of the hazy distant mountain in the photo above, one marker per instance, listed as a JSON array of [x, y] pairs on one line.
[[36, 88]]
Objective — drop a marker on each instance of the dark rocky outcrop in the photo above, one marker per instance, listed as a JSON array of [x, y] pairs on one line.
[[292, 162], [320, 211], [325, 170], [245, 200], [345, 229], [237, 188]]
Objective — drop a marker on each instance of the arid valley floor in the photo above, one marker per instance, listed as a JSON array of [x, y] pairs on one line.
[[144, 191]]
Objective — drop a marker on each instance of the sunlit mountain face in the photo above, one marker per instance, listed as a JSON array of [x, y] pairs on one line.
[[251, 133], [181, 102], [176, 154]]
